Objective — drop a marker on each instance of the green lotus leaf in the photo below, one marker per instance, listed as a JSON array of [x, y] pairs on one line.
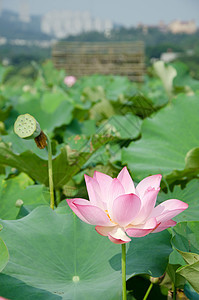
[[176, 278], [4, 255], [186, 241], [192, 159], [190, 293], [19, 190], [186, 237], [155, 248], [191, 273], [57, 256], [123, 127], [50, 118], [65, 165], [60, 255], [167, 137], [190, 195]]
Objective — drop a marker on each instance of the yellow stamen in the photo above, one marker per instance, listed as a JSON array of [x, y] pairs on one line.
[[106, 211]]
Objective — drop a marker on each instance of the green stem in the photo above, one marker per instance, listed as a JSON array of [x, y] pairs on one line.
[[124, 272], [58, 196], [174, 291], [148, 291], [50, 174]]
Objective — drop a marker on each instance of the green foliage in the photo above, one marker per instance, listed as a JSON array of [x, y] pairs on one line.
[[67, 160], [101, 123], [190, 293], [186, 241], [166, 140], [17, 189], [59, 261], [188, 194], [4, 255]]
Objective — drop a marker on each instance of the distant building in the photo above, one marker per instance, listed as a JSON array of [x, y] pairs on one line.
[[3, 41], [24, 14], [162, 26], [188, 27], [145, 28], [177, 26], [169, 56], [64, 23], [1, 6]]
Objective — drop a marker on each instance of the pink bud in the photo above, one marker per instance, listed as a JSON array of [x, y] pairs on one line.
[[70, 80]]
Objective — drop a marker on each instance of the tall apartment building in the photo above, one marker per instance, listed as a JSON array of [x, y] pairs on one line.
[[24, 13], [64, 23]]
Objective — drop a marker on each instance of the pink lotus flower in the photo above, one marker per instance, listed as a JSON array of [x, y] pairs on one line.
[[118, 209], [70, 80]]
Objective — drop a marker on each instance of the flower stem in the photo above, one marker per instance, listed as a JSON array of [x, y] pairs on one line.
[[174, 291], [50, 174], [148, 291], [124, 272]]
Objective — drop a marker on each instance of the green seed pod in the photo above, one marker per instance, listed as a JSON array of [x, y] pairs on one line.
[[26, 127]]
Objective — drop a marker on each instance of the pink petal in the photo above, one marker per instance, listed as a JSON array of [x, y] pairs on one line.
[[125, 209], [115, 234], [116, 189], [148, 182], [118, 236], [117, 241], [142, 229], [104, 230], [148, 203], [126, 180], [94, 191], [89, 213], [75, 209], [168, 210], [104, 182], [165, 225]]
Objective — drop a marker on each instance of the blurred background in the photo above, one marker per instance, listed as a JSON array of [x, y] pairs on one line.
[[169, 29]]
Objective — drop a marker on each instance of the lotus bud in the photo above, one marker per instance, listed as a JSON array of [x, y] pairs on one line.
[[26, 127], [70, 80], [19, 203], [157, 280]]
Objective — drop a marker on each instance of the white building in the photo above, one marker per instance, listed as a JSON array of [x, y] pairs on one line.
[[177, 26], [169, 56], [64, 23]]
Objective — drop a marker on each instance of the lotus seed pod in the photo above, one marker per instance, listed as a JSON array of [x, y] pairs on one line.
[[26, 127]]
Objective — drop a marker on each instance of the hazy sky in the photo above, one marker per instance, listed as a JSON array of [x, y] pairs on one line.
[[126, 12]]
